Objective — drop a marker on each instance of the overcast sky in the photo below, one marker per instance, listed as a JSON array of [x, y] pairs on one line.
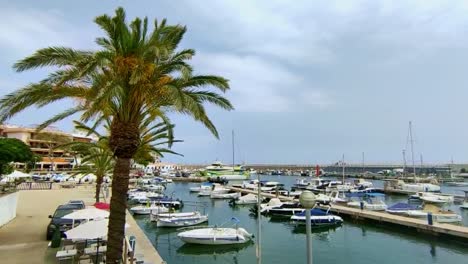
[[310, 80]]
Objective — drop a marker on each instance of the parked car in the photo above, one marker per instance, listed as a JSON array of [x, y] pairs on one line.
[[58, 222], [79, 204]]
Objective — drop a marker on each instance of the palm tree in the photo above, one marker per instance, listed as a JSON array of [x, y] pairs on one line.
[[98, 159], [136, 73]]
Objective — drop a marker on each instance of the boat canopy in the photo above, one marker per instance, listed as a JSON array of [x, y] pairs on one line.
[[315, 211], [403, 206], [362, 194]]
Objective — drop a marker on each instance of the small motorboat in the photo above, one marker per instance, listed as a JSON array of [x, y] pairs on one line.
[[230, 195], [432, 197], [168, 202], [216, 236], [154, 187], [402, 208], [219, 180], [203, 186], [370, 201], [216, 188], [274, 202], [146, 210], [244, 200], [465, 202], [285, 209], [438, 214], [362, 184], [180, 219], [318, 218]]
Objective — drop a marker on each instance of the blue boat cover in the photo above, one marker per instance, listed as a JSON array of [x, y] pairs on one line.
[[403, 206], [361, 194], [316, 212]]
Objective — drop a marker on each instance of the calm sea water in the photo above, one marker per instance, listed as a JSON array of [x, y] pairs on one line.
[[283, 242]]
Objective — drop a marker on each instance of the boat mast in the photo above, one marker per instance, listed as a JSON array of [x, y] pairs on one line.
[[404, 162], [412, 150], [421, 159], [343, 164], [233, 149], [363, 168]]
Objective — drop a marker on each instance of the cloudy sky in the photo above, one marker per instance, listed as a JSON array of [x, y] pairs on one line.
[[310, 80]]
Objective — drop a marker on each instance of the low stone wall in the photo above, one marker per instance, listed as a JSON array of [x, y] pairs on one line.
[[8, 204]]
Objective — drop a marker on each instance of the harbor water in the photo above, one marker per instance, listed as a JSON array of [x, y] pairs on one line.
[[283, 242]]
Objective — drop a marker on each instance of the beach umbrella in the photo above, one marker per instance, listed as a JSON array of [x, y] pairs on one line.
[[103, 206], [89, 230], [87, 213]]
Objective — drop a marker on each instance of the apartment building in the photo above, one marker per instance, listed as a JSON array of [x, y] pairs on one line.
[[43, 142]]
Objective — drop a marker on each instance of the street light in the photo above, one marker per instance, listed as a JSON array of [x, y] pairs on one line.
[[307, 200]]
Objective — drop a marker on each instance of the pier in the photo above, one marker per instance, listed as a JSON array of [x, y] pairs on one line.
[[456, 231]]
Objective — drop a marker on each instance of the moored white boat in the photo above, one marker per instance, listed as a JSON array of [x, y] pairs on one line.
[[216, 236], [433, 198], [146, 210], [179, 219], [246, 199], [370, 201], [274, 202], [203, 186], [402, 208], [234, 195]]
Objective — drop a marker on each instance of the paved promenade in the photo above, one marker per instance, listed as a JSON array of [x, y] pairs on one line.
[[23, 240]]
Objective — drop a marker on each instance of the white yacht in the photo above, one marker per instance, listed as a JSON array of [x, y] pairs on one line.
[[216, 236], [371, 201]]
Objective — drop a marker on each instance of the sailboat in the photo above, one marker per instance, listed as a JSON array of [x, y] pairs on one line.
[[400, 185]]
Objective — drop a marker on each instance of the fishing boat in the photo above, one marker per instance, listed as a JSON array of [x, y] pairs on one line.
[[402, 208], [203, 186], [147, 209], [180, 219], [244, 200], [432, 197], [369, 201], [318, 218], [216, 236], [229, 195]]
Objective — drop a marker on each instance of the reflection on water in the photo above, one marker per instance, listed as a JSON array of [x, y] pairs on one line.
[[191, 249], [284, 242]]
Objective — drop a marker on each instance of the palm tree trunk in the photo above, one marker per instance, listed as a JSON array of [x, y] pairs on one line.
[[99, 179], [118, 207]]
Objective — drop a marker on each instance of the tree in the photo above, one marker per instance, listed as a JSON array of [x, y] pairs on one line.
[[52, 140], [13, 150], [136, 73]]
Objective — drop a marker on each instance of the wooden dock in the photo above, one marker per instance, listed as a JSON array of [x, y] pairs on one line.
[[456, 231]]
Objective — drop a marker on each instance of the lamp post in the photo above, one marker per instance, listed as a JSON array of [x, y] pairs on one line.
[[307, 200]]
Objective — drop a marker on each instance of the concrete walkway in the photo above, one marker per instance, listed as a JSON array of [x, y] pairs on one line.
[[23, 240]]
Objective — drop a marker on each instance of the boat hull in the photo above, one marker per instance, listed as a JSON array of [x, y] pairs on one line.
[[182, 221], [215, 236]]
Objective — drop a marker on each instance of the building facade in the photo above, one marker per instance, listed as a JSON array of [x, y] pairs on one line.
[[43, 143]]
